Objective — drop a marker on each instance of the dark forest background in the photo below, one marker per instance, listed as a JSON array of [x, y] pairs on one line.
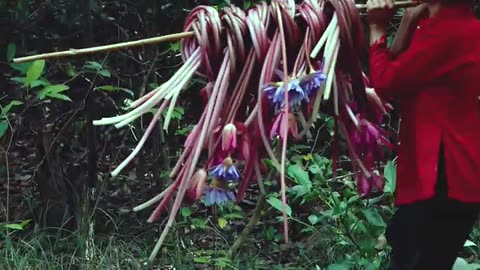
[[59, 209]]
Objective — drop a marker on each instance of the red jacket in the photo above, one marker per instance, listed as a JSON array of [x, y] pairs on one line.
[[437, 83]]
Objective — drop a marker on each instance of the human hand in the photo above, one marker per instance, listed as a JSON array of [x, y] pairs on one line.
[[379, 12], [406, 29]]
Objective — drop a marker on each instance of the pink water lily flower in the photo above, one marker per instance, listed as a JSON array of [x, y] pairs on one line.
[[198, 185], [280, 125]]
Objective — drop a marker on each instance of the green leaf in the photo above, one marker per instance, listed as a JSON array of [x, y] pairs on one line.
[[301, 176], [277, 204], [222, 223], [25, 223], [111, 88], [11, 49], [17, 227], [184, 131], [390, 173], [104, 73], [40, 82], [313, 219], [53, 91], [186, 212], [298, 191], [92, 65], [7, 108], [461, 264], [373, 217], [35, 71], [3, 128], [60, 96], [21, 67], [339, 266], [22, 80], [232, 216], [107, 88], [199, 223], [70, 70], [206, 259], [177, 113], [469, 243], [58, 88], [175, 47]]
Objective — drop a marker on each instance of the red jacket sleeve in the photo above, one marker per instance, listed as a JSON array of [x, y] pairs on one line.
[[429, 57]]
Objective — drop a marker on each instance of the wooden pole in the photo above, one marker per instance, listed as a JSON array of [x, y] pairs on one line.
[[104, 48], [143, 42]]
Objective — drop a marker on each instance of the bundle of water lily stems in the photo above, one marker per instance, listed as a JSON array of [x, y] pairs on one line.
[[268, 71]]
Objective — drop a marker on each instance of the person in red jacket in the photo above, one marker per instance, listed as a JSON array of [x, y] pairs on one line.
[[436, 81]]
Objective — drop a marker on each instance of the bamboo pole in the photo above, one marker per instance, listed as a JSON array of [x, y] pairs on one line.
[[104, 48], [143, 42]]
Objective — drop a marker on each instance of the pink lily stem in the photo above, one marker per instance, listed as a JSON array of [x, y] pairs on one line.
[[303, 122], [352, 116], [298, 61], [284, 131], [189, 147], [239, 91], [267, 71], [180, 162], [355, 157], [218, 103], [308, 48], [142, 141], [191, 168], [335, 96], [168, 196]]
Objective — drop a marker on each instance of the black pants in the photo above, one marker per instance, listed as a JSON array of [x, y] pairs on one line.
[[429, 234]]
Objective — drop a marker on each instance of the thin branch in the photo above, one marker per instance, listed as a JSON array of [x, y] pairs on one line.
[[105, 48]]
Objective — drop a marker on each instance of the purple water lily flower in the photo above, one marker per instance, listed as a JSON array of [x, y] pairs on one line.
[[311, 83], [276, 93], [216, 194], [226, 171]]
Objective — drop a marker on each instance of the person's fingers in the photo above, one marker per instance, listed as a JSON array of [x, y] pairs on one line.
[[389, 4], [369, 5]]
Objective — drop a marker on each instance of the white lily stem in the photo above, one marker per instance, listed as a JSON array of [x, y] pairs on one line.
[[330, 48], [352, 116], [325, 35], [153, 200], [331, 72], [148, 104], [173, 95], [141, 142], [252, 115]]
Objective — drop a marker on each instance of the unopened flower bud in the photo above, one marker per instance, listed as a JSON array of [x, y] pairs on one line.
[[197, 187], [229, 137]]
